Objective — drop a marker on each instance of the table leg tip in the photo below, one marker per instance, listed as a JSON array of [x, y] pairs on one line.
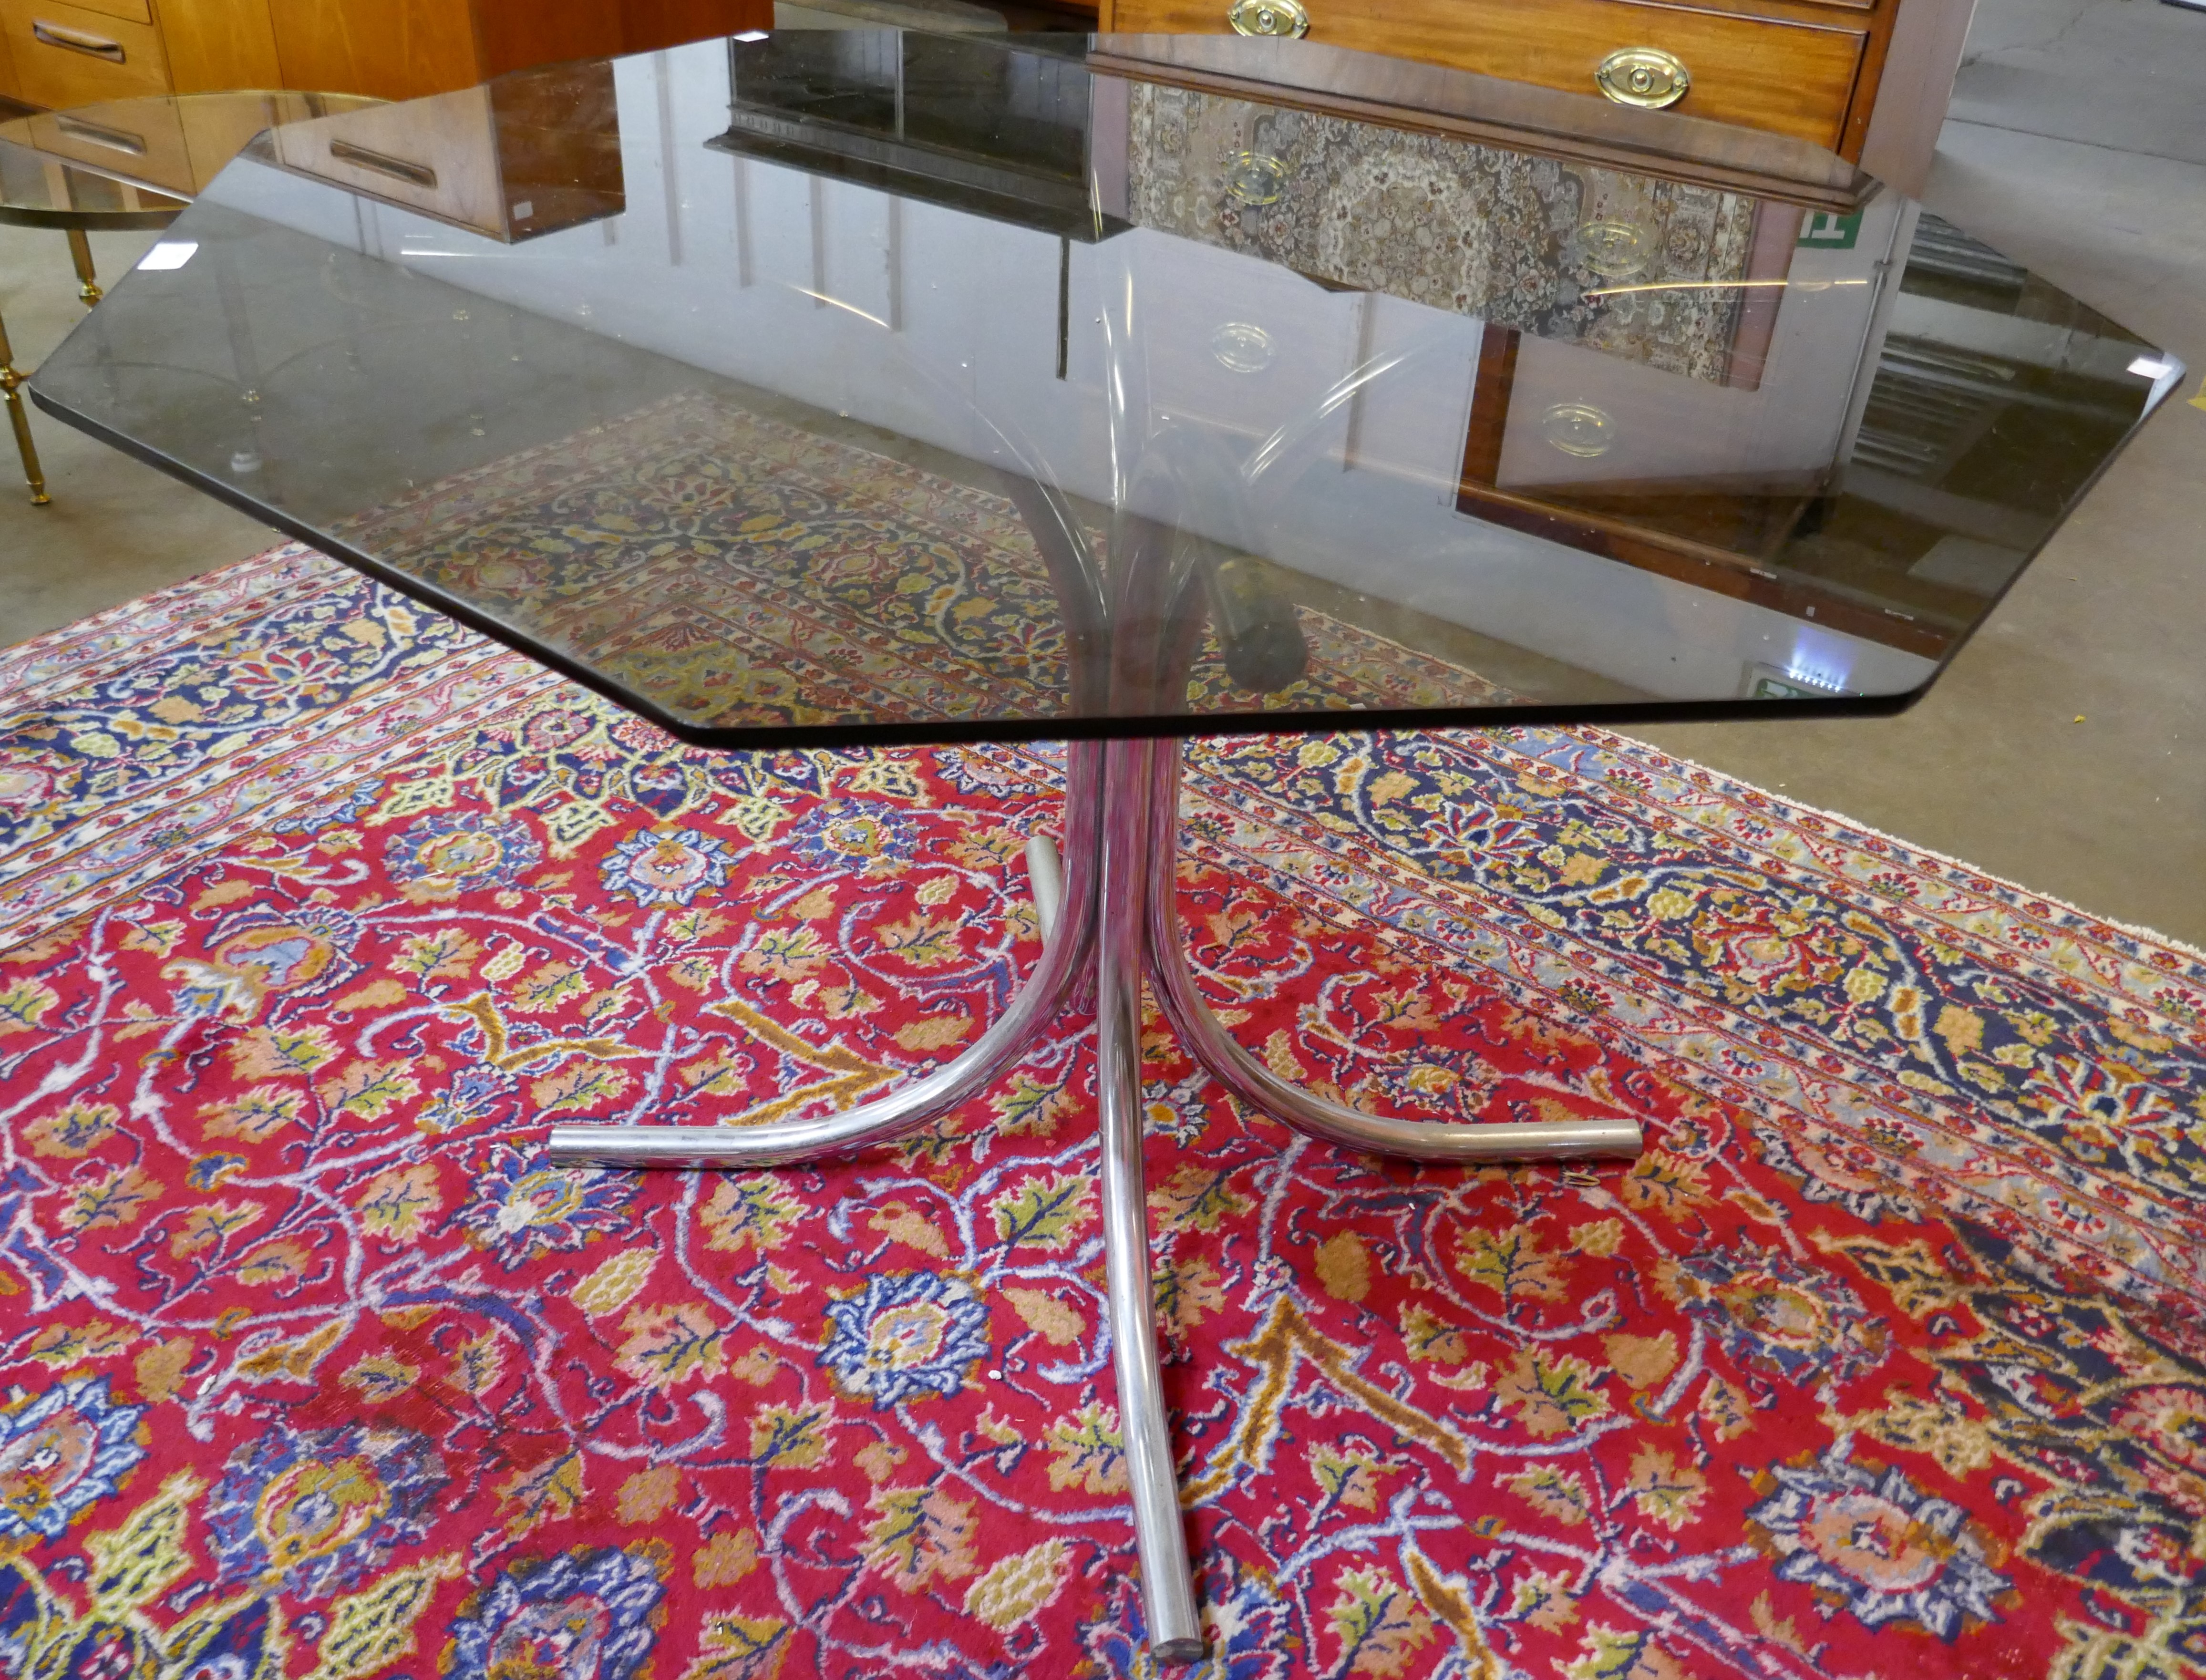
[[1178, 1651]]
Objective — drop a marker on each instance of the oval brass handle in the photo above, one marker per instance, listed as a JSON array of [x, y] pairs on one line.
[[75, 40], [1257, 178], [1579, 429], [1241, 347], [1644, 76], [1267, 17]]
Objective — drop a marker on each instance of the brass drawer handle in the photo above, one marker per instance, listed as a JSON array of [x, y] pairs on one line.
[[75, 40], [1257, 178], [1644, 76], [96, 134], [1579, 429], [1241, 347], [1267, 17], [414, 175]]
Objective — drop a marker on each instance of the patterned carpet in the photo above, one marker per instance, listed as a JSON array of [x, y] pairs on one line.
[[1886, 1360]]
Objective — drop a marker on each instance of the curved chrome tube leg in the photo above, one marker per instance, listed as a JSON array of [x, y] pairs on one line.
[[785, 1143], [1045, 881], [1249, 1079], [1159, 1532]]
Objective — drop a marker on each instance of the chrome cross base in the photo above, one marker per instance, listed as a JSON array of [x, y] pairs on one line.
[[1121, 858]]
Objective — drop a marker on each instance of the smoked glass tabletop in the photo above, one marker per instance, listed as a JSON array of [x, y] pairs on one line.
[[866, 384], [38, 190]]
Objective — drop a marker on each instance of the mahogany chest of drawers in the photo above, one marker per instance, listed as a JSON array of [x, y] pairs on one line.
[[1867, 78]]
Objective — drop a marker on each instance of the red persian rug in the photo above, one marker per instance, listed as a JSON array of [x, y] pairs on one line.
[[1886, 1360]]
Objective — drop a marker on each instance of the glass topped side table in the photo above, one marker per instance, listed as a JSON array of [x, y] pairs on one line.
[[1219, 385], [130, 166], [38, 192]]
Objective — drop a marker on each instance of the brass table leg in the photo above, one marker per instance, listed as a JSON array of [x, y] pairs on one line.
[[21, 420], [80, 254]]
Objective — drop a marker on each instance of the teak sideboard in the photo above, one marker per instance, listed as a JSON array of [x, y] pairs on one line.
[[77, 52]]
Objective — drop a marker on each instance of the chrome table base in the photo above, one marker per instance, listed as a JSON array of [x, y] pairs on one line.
[[1121, 854]]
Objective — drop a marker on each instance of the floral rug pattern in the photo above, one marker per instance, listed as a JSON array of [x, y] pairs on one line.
[[733, 569], [1520, 240], [314, 910]]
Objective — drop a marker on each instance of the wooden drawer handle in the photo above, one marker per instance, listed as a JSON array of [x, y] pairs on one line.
[[96, 133], [1644, 76], [414, 175], [1267, 17], [75, 40]]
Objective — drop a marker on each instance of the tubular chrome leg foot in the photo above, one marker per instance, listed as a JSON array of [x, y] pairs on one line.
[[787, 1142], [1249, 1079], [1046, 880], [1159, 1531]]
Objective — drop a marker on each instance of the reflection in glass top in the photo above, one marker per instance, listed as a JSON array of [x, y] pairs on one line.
[[149, 154], [872, 383], [40, 191]]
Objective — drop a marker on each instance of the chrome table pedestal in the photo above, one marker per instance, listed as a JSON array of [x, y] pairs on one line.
[[1118, 909]]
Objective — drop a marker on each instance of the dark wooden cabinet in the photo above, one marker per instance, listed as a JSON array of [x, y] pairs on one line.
[[1867, 78]]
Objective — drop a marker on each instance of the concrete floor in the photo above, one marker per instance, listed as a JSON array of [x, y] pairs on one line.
[[2126, 74], [2108, 622], [2077, 146]]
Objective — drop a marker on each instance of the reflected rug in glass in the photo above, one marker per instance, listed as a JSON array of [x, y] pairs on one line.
[[315, 909], [735, 568]]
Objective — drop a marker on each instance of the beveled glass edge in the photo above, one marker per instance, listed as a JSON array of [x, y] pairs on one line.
[[90, 221], [955, 731], [2164, 386], [146, 218]]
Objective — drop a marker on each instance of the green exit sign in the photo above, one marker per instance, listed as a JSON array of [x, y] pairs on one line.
[[1826, 230]]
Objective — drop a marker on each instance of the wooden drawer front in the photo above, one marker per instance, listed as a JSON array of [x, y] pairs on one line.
[[66, 56], [392, 48], [145, 143], [133, 11], [439, 155], [216, 45], [1789, 78]]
